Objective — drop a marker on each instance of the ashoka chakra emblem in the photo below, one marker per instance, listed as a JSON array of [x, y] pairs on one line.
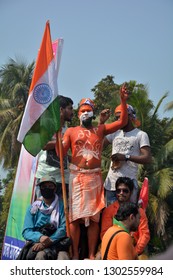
[[42, 93]]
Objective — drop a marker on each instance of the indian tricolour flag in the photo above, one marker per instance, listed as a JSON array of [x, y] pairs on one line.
[[41, 117]]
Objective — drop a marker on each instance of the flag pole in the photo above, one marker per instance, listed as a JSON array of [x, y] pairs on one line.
[[64, 193]]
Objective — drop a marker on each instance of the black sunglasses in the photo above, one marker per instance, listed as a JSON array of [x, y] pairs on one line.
[[122, 190]]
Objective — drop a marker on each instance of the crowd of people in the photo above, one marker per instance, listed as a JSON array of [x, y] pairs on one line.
[[108, 212]]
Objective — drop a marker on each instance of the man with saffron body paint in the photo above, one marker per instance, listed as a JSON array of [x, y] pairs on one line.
[[86, 193]]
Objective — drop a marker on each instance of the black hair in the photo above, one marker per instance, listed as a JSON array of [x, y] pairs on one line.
[[126, 181], [125, 210], [64, 101]]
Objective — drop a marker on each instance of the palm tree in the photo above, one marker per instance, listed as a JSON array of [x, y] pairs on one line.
[[15, 79], [160, 172], [169, 106], [161, 180], [7, 185]]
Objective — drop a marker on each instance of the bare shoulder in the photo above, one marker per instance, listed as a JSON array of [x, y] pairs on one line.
[[70, 129]]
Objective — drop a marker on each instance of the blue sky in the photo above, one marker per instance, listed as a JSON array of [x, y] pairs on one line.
[[129, 39]]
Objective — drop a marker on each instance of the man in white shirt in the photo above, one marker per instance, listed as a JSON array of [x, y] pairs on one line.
[[130, 147]]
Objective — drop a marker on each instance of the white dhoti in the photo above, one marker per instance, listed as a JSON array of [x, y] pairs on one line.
[[86, 194]]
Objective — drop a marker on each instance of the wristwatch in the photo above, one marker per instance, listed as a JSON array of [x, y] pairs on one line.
[[127, 157]]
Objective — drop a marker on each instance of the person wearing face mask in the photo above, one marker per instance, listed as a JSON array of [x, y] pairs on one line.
[[86, 193], [44, 224]]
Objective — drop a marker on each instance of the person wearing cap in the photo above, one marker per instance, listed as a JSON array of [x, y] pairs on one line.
[[44, 223], [130, 147], [86, 193]]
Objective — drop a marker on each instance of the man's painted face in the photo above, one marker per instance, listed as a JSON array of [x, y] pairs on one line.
[[85, 113]]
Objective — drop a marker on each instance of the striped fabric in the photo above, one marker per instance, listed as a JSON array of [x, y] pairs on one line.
[[41, 117]]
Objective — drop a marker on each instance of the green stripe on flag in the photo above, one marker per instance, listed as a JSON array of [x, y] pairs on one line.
[[43, 129]]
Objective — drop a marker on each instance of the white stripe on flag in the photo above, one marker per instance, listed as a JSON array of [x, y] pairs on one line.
[[33, 109]]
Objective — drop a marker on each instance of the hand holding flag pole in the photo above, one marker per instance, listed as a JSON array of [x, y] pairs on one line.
[[60, 151], [64, 193]]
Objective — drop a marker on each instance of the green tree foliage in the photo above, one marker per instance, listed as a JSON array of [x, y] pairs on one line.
[[15, 79], [106, 94], [7, 185], [169, 106]]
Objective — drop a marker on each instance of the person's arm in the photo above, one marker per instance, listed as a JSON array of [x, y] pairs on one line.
[[143, 233], [28, 232], [125, 248], [66, 142], [50, 145], [61, 230], [112, 127], [107, 220], [104, 116], [143, 158]]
